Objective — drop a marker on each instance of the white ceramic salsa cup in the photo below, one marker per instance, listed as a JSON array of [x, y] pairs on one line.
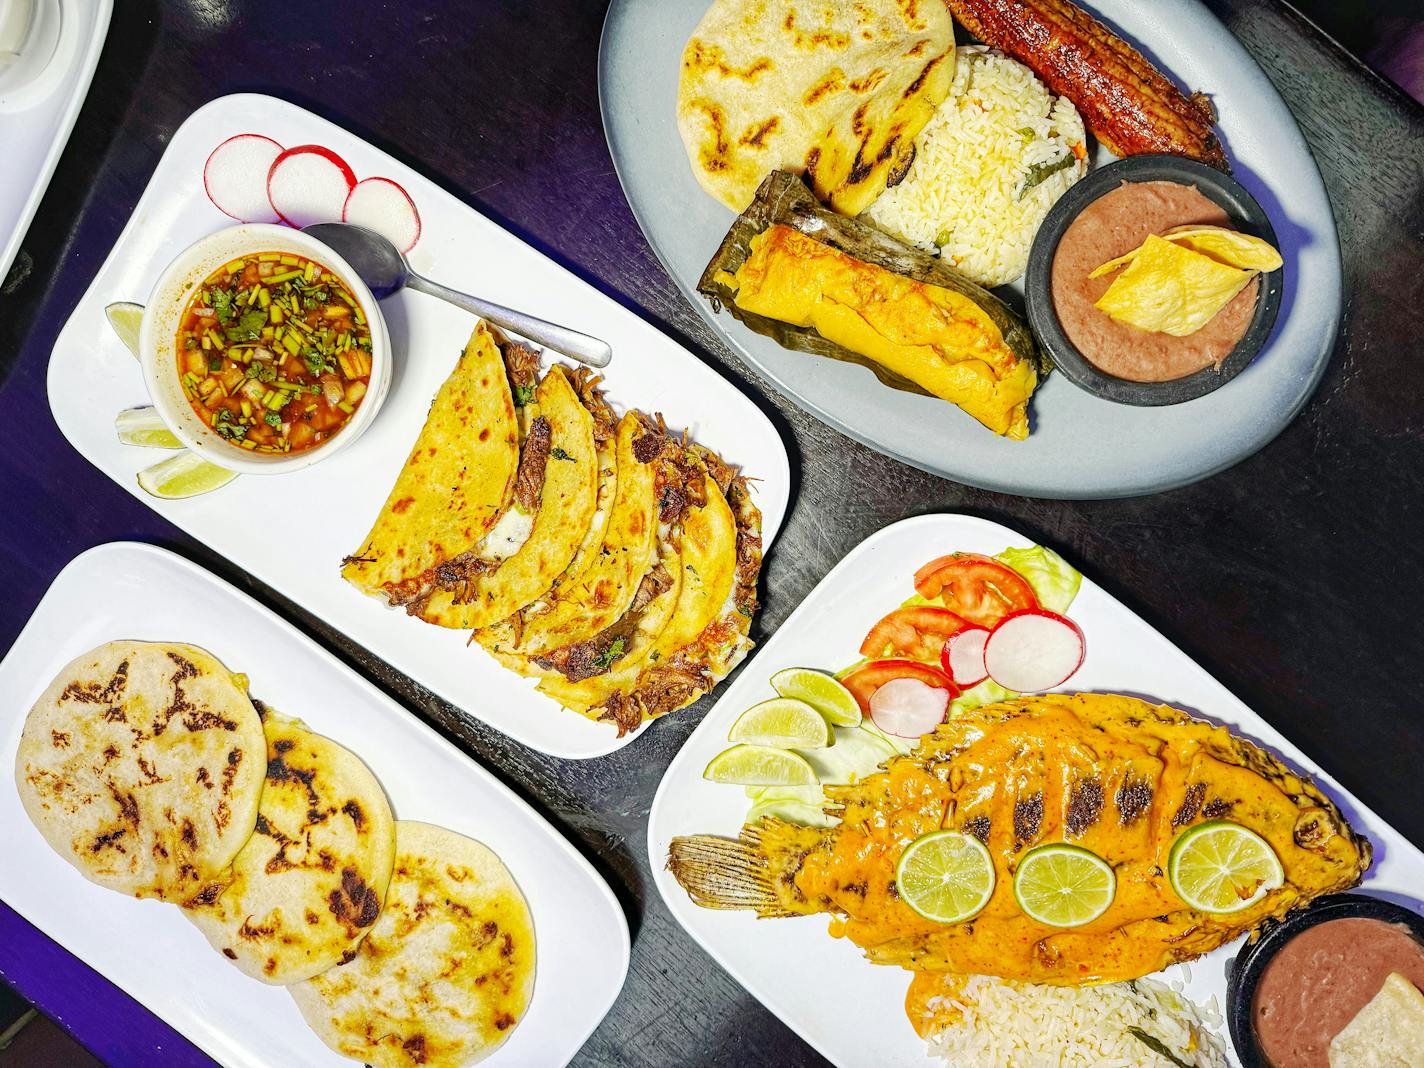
[[158, 333]]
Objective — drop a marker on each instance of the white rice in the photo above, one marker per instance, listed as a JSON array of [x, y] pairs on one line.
[[962, 192], [992, 1023]]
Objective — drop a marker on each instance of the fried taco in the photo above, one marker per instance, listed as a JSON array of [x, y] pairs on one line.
[[574, 628], [457, 482], [566, 452]]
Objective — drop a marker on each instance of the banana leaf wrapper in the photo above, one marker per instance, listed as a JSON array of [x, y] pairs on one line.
[[784, 198]]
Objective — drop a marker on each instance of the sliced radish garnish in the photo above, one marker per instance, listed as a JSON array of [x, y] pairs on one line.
[[309, 184], [381, 205], [1033, 651], [235, 177], [908, 708], [963, 656]]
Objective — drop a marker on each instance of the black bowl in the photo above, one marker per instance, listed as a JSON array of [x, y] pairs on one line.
[[1245, 215], [1251, 962]]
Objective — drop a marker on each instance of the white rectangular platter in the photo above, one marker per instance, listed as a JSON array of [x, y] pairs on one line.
[[327, 509], [792, 966], [127, 590]]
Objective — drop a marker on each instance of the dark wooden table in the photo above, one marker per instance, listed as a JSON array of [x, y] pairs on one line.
[[1297, 578]]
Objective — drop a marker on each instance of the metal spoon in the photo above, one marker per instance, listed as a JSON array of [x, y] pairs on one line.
[[385, 271]]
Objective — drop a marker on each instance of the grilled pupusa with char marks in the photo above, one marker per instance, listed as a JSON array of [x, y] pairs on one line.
[[1128, 104], [1112, 774]]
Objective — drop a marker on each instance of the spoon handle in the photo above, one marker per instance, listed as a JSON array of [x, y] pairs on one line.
[[571, 343]]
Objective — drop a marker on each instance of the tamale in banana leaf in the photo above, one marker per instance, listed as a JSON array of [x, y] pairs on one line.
[[792, 263]]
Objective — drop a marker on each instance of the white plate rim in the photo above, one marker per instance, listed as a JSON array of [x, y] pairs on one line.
[[97, 26]]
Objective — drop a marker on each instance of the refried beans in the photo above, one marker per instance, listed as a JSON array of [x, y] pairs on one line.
[[1320, 979], [1114, 224]]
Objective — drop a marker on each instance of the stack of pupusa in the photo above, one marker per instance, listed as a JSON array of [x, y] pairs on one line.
[[148, 768]]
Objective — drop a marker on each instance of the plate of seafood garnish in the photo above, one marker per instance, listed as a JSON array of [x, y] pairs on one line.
[[964, 802], [946, 229]]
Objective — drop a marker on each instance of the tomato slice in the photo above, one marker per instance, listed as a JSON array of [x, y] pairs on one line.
[[918, 632], [866, 679], [977, 588]]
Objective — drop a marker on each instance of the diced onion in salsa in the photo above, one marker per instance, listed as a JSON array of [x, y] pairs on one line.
[[274, 353]]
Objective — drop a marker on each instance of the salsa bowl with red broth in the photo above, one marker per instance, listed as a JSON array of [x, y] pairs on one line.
[[263, 350]]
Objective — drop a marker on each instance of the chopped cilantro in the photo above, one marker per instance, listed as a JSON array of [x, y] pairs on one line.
[[261, 370], [604, 660], [248, 327], [559, 454], [222, 305], [315, 361], [523, 395], [214, 363], [273, 418]]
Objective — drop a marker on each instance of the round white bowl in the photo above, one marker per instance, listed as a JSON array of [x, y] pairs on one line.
[[158, 332]]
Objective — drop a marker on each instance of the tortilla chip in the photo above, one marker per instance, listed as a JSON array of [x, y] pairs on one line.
[[1230, 247], [1170, 289], [1387, 1033]]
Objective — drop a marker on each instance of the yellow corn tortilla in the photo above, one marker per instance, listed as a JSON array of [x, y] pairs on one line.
[[705, 573], [596, 598], [457, 481], [565, 511], [1170, 289]]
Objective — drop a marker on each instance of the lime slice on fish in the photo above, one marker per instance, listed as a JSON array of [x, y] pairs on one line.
[[783, 723], [185, 475], [1064, 885], [821, 691], [144, 426], [125, 318], [945, 876], [1223, 867], [759, 765]]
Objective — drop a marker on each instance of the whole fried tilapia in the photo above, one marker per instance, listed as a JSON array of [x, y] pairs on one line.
[[1112, 774]]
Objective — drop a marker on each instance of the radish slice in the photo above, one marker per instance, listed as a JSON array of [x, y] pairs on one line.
[[908, 708], [381, 205], [963, 656], [309, 184], [235, 177], [1033, 650]]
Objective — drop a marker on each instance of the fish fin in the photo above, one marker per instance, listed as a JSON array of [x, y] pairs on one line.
[[728, 873]]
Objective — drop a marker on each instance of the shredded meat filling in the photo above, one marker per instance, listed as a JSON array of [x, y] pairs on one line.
[[521, 364], [529, 481], [596, 655], [604, 424]]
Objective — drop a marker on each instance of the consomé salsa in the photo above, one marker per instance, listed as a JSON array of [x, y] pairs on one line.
[[274, 353]]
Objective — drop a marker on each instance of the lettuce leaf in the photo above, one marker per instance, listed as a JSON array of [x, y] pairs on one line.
[[1054, 580]]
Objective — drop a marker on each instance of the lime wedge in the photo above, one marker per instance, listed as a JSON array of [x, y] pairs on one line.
[[822, 692], [1064, 885], [945, 876], [1222, 867], [124, 318], [759, 765], [784, 723], [184, 475], [144, 426]]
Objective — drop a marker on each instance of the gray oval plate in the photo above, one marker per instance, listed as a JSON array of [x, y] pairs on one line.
[[1080, 446]]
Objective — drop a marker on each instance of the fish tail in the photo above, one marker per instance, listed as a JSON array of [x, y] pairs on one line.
[[728, 873]]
